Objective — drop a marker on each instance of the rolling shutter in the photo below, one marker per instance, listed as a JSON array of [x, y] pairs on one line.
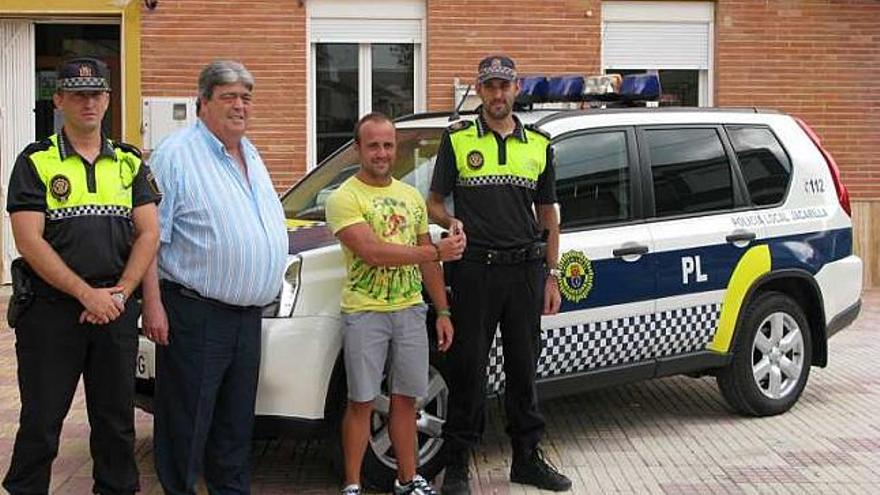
[[667, 45], [657, 35]]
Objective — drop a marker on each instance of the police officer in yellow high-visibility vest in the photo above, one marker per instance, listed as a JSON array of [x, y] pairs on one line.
[[500, 174], [84, 217]]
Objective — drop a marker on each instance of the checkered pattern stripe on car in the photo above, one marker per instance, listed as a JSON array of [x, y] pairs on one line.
[[695, 326], [497, 180], [89, 210], [615, 342]]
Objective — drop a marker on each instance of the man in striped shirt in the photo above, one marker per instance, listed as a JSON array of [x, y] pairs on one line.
[[223, 247]]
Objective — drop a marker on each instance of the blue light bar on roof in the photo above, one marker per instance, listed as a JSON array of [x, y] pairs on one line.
[[641, 86], [566, 88], [532, 89]]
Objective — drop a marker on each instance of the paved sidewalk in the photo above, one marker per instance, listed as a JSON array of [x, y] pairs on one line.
[[670, 436]]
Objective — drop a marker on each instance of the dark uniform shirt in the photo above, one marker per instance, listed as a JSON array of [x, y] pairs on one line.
[[87, 205], [496, 207]]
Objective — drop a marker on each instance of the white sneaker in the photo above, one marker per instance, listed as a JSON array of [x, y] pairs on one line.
[[418, 486], [351, 490]]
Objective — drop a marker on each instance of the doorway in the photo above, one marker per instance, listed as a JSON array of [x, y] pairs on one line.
[[58, 42]]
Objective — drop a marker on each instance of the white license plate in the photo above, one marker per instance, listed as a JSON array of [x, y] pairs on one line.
[[146, 362]]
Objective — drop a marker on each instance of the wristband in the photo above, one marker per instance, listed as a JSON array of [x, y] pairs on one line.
[[554, 272], [444, 312]]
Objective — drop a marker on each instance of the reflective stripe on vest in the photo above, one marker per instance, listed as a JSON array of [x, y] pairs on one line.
[[477, 159], [67, 191]]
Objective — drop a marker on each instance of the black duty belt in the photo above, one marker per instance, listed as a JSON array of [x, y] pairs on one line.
[[515, 256], [42, 288], [192, 294]]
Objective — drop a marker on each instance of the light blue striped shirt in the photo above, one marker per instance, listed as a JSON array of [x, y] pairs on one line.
[[221, 235]]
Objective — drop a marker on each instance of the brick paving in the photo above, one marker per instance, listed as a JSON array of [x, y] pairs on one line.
[[669, 436]]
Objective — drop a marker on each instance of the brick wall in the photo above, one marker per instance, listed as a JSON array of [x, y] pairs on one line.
[[549, 36], [767, 53], [268, 36], [818, 59]]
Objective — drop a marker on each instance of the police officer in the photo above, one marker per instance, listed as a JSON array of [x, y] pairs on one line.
[[83, 211], [500, 173]]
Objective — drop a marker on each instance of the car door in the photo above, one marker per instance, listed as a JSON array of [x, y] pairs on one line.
[[697, 204], [608, 279]]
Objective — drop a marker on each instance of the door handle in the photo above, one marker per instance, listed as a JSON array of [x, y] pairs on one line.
[[630, 250], [741, 236]]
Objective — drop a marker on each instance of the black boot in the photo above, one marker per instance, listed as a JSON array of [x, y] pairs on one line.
[[456, 481], [532, 468]]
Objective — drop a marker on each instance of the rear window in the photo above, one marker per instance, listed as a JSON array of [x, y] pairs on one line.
[[764, 164]]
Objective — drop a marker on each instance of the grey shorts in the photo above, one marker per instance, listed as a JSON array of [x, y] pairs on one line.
[[377, 341]]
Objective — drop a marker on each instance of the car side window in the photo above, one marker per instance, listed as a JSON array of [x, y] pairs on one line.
[[592, 179], [764, 164], [690, 170]]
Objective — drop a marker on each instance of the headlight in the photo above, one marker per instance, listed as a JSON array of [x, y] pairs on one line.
[[283, 306]]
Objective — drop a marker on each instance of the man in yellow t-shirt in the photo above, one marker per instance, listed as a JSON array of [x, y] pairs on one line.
[[383, 226]]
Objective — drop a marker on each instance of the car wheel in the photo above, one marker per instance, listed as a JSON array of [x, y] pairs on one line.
[[380, 464], [771, 357]]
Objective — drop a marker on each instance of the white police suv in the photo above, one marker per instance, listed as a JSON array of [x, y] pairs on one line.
[[697, 241]]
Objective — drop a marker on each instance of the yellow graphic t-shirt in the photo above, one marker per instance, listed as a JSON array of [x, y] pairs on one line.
[[397, 214]]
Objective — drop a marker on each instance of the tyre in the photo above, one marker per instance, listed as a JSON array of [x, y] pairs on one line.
[[771, 357], [380, 465]]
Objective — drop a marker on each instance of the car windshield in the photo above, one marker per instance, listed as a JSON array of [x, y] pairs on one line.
[[416, 152]]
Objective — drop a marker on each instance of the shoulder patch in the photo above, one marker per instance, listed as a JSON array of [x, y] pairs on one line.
[[35, 147], [128, 148], [537, 130], [461, 124]]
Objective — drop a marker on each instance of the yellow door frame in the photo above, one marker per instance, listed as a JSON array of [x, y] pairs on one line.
[[130, 57]]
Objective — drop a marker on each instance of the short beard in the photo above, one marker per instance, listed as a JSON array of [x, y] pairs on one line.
[[500, 115]]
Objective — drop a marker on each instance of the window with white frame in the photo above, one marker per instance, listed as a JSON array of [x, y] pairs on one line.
[[362, 64], [671, 39]]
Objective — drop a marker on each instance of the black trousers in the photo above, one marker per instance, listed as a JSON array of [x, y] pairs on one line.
[[53, 351], [484, 296], [206, 387]]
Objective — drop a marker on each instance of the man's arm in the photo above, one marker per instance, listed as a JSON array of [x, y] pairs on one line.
[[438, 214], [366, 245], [442, 182], [27, 229], [155, 320], [432, 276], [144, 247], [548, 220]]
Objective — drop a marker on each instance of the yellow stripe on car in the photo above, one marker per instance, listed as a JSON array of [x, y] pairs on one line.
[[294, 224], [754, 264]]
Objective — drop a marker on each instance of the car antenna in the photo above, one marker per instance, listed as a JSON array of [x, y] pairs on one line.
[[455, 113]]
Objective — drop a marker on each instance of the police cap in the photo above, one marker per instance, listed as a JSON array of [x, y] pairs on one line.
[[82, 74], [496, 67]]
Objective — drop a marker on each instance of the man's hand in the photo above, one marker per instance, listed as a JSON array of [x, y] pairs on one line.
[[444, 333], [100, 305], [155, 321], [118, 297], [552, 299], [457, 227], [451, 247]]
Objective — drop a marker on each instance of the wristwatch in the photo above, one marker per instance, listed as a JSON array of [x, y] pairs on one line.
[[554, 272], [119, 296]]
